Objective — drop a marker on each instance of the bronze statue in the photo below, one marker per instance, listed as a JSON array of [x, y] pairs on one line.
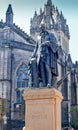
[[43, 64]]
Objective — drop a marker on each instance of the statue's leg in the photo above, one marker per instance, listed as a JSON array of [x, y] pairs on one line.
[[49, 75], [34, 74], [42, 72]]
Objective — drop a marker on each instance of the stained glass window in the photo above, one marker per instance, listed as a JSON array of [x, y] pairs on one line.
[[22, 82], [22, 76]]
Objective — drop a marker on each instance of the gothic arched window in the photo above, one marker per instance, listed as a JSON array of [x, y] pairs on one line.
[[22, 76], [22, 82]]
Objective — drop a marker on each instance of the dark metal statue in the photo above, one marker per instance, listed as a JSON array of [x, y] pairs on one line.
[[43, 64]]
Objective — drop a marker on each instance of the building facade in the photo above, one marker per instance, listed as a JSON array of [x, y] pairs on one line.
[[16, 48]]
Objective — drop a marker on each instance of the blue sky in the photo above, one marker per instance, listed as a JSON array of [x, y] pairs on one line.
[[24, 10]]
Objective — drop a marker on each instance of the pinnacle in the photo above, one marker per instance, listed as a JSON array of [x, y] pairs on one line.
[[49, 2], [9, 10]]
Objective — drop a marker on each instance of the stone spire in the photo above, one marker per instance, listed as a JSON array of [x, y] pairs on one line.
[[40, 10], [35, 13], [49, 2], [69, 61], [9, 15]]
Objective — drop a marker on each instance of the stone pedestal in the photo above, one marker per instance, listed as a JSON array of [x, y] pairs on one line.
[[43, 109]]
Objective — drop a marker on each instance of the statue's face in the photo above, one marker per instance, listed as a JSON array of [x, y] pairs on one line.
[[43, 28], [45, 37]]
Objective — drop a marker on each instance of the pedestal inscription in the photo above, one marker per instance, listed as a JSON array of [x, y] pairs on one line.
[[42, 112]]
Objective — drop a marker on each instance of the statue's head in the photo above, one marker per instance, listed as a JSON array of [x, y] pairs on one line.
[[47, 36], [42, 27]]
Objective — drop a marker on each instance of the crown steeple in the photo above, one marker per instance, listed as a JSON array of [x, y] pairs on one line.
[[49, 2], [9, 15]]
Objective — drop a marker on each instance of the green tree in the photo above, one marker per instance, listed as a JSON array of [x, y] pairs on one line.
[[74, 111]]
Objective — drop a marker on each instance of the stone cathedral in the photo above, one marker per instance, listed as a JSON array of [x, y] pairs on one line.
[[16, 48]]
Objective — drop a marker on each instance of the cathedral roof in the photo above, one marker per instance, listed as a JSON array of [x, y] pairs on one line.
[[15, 27], [52, 18], [18, 30]]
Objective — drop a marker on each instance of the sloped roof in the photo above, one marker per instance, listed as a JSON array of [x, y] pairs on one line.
[[19, 31]]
